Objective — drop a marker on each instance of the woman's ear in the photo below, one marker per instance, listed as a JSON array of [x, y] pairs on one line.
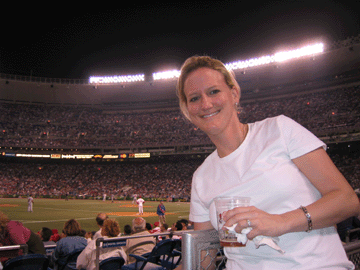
[[236, 94]]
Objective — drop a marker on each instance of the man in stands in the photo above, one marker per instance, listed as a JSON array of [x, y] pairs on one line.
[[141, 245], [100, 218], [45, 235]]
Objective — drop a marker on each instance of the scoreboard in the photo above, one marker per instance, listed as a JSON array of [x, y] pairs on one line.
[[78, 156]]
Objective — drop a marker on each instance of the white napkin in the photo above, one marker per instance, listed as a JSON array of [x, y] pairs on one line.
[[258, 240]]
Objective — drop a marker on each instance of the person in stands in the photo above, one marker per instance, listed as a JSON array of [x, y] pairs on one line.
[[13, 232], [87, 258], [100, 218], [141, 245], [45, 235], [297, 193], [71, 242]]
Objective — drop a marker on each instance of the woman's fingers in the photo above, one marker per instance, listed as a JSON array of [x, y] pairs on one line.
[[238, 214], [262, 223]]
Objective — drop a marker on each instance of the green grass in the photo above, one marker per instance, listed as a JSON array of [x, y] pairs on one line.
[[53, 213]]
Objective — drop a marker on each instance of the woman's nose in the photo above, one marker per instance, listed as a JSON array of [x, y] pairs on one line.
[[206, 103]]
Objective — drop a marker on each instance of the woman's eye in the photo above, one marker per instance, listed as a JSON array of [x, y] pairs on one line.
[[215, 91], [194, 99]]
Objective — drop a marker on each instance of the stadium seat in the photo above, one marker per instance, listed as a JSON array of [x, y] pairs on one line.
[[113, 263], [28, 262], [71, 260], [174, 260], [157, 259]]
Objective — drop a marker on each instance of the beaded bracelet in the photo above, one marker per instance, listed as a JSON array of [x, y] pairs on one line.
[[308, 217]]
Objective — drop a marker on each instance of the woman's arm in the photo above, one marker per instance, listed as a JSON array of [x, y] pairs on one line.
[[337, 203]]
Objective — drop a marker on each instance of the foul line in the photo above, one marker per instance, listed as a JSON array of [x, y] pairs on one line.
[[44, 221]]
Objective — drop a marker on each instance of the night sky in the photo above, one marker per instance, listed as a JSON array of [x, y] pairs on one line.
[[65, 40]]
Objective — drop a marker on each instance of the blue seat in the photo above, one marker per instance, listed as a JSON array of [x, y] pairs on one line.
[[157, 259], [28, 262], [175, 259], [171, 262], [112, 263], [71, 260]]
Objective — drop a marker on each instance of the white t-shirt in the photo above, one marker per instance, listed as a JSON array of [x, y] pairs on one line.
[[261, 168]]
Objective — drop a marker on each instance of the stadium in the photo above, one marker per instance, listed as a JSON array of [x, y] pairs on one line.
[[69, 142], [50, 121]]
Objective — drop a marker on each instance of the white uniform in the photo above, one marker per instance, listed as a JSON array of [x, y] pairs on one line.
[[140, 202], [262, 169], [30, 204]]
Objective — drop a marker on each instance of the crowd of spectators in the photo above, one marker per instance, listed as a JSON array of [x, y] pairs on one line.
[[61, 249], [45, 126], [324, 113], [122, 180]]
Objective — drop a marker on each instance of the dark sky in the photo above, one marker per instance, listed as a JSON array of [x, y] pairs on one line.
[[63, 41]]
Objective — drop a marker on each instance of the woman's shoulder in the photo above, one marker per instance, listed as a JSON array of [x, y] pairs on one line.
[[275, 120], [72, 239], [274, 124]]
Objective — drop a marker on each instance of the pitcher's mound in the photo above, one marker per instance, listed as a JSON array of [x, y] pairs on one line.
[[132, 205]]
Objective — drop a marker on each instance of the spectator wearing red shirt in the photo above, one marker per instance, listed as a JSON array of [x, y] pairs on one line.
[[14, 233]]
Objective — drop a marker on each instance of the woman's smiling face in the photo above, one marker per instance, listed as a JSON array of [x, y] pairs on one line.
[[210, 101]]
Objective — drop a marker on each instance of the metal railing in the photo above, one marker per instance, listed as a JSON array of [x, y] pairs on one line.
[[197, 246], [13, 251], [200, 249], [121, 242]]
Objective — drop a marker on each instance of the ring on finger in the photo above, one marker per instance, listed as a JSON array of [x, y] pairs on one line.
[[248, 222]]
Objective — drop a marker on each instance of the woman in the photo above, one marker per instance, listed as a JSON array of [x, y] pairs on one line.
[[72, 241], [87, 258], [276, 162]]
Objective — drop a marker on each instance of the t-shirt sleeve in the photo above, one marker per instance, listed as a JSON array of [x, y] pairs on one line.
[[298, 140]]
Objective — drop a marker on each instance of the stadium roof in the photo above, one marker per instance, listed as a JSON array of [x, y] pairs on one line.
[[79, 42]]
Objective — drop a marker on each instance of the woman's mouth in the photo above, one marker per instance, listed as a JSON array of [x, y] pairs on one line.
[[210, 115]]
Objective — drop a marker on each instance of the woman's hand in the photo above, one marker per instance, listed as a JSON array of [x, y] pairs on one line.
[[262, 223]]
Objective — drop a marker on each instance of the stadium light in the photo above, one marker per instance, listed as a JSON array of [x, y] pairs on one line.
[[253, 62], [117, 79], [308, 50], [277, 57], [170, 74], [242, 64]]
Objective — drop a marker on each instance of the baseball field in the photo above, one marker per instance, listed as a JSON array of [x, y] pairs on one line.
[[53, 213]]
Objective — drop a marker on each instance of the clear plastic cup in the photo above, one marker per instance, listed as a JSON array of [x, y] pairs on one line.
[[223, 204]]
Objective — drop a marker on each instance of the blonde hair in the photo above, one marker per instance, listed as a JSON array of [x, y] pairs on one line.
[[195, 62]]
